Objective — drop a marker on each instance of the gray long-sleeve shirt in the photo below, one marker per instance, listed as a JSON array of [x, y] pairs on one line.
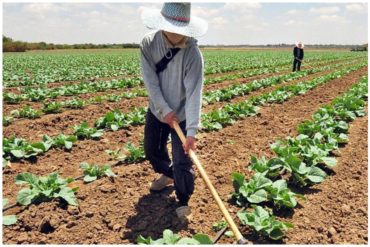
[[179, 87]]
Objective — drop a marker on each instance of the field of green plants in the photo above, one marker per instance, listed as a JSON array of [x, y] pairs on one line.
[[287, 151]]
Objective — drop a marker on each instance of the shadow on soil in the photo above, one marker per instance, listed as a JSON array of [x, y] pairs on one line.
[[155, 212]]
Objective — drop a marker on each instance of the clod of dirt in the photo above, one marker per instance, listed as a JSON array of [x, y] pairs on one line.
[[107, 188], [72, 210], [71, 224], [89, 214], [346, 209], [331, 232], [117, 227], [98, 227]]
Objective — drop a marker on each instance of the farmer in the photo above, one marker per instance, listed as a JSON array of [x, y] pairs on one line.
[[172, 69], [298, 56]]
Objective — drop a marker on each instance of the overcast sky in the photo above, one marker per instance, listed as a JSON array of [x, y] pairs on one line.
[[229, 23]]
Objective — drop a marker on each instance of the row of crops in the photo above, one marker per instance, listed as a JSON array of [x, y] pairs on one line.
[[300, 161], [43, 68]]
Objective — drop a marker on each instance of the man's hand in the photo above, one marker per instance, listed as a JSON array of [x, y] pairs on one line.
[[170, 117], [189, 144]]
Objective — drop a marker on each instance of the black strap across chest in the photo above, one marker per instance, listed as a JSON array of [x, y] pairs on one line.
[[162, 64]]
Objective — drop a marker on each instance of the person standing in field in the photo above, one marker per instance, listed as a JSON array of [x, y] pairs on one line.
[[172, 68], [298, 56]]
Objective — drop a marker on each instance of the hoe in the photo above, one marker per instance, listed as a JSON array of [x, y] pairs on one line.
[[239, 237]]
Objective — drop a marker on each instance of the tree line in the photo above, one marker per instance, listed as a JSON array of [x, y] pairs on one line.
[[10, 45]]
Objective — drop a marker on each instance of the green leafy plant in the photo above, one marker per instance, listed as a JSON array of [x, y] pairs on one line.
[[28, 112], [93, 172], [114, 98], [8, 219], [263, 223], [12, 98], [20, 148], [74, 104], [7, 120], [60, 141], [271, 168], [116, 154], [253, 191], [261, 189], [83, 131], [134, 154], [170, 238], [219, 225], [44, 188], [52, 107]]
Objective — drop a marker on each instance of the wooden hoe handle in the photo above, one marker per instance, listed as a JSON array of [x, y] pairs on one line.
[[239, 237]]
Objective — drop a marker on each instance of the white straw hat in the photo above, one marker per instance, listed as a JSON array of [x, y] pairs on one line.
[[299, 43], [175, 18]]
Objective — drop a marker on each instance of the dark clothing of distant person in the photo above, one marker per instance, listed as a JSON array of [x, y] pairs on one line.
[[298, 56]]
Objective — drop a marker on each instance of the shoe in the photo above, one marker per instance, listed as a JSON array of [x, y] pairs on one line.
[[183, 212], [161, 183]]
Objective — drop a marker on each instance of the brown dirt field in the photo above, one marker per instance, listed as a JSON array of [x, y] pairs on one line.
[[118, 211]]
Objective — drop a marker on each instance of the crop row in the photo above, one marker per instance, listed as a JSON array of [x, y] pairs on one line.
[[208, 97], [229, 113], [228, 93], [40, 69], [75, 103], [42, 93], [302, 160]]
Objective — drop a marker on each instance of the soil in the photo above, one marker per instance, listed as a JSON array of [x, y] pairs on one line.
[[117, 211]]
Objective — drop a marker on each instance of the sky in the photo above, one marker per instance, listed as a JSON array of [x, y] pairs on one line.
[[229, 23]]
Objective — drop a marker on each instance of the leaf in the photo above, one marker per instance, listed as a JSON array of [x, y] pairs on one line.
[[97, 134], [84, 165], [258, 196], [316, 175], [202, 238], [141, 240], [238, 180], [229, 234], [26, 177], [276, 234], [25, 196], [187, 241], [9, 220], [68, 145], [329, 161], [68, 195], [18, 153], [280, 184], [169, 237], [110, 173], [114, 127], [89, 178], [40, 146]]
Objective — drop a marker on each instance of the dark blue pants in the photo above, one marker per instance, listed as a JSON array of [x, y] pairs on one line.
[[180, 169], [296, 65]]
